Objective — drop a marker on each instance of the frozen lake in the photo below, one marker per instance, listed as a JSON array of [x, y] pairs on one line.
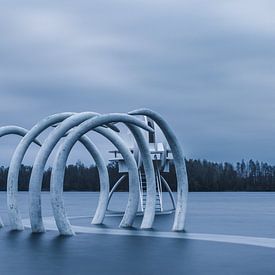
[[234, 214]]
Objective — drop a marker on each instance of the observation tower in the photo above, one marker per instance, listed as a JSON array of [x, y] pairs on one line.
[[162, 160]]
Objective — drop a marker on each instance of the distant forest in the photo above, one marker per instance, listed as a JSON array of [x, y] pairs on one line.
[[203, 176]]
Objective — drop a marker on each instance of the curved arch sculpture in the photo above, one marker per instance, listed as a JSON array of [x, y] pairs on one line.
[[40, 162], [47, 147], [35, 210], [15, 130], [35, 184], [17, 158], [182, 181], [12, 184], [61, 219], [74, 126]]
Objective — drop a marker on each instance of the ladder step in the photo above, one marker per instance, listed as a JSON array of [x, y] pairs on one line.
[[143, 192]]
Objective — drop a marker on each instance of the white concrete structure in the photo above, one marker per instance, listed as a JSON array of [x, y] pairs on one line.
[[147, 156], [15, 130], [182, 181]]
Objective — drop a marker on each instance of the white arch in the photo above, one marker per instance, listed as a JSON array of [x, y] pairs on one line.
[[16, 130], [40, 162], [17, 157], [59, 169], [49, 144], [182, 181]]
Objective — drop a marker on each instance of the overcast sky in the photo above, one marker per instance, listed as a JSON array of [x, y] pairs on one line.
[[206, 66]]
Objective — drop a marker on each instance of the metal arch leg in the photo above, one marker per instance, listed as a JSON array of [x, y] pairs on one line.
[[179, 161], [120, 180], [16, 130], [15, 164], [103, 180], [169, 191]]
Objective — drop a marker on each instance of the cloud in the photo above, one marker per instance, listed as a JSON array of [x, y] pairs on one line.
[[207, 67]]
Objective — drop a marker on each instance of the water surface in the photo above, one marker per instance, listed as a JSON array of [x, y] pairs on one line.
[[248, 214]]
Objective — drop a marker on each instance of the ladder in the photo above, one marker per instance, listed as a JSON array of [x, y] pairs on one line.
[[143, 191]]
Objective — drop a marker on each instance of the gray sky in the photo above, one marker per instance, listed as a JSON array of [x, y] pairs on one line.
[[207, 66]]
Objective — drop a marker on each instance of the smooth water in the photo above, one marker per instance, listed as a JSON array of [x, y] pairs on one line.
[[247, 214]]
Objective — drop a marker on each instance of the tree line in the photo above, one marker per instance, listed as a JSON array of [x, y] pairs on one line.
[[203, 175]]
